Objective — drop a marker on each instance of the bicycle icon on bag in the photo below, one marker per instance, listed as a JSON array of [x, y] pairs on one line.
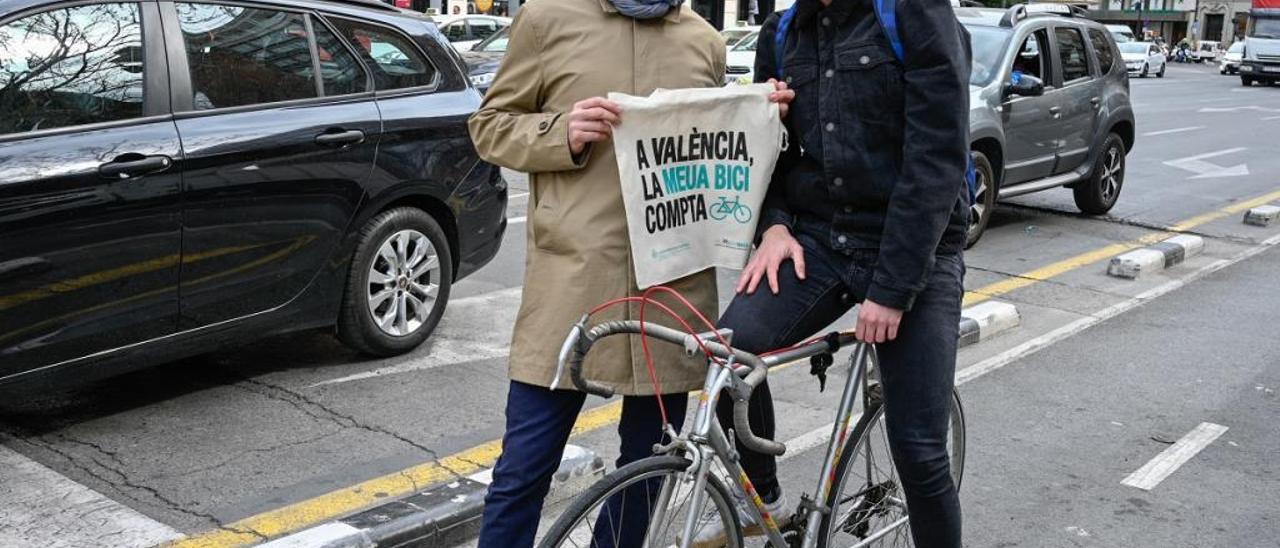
[[726, 207]]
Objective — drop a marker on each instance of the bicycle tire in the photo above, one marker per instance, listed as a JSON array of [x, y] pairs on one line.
[[585, 504], [859, 438]]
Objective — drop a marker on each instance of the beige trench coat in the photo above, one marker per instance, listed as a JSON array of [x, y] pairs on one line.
[[561, 52]]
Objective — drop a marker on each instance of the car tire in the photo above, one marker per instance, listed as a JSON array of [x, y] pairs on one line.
[[1098, 194], [1246, 81], [388, 275], [1145, 69], [1162, 68], [985, 202]]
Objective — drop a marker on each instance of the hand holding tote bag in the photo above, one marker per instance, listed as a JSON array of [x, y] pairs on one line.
[[695, 165]]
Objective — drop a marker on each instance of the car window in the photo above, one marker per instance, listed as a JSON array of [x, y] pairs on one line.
[[482, 28], [989, 45], [246, 56], [340, 72], [70, 67], [748, 43], [1071, 52], [1030, 59], [455, 31], [1237, 47], [496, 43], [396, 62], [1154, 50], [1102, 47]]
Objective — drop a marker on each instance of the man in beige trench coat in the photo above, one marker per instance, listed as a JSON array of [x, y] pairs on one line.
[[545, 115]]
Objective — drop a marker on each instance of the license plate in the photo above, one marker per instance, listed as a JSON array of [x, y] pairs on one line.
[[1270, 69]]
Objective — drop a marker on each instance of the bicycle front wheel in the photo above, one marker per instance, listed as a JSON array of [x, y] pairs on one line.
[[868, 506], [625, 509]]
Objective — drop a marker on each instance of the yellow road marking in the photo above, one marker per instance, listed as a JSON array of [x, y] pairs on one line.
[[1090, 257], [301, 515], [310, 512]]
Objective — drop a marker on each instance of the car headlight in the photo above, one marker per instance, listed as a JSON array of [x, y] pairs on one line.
[[483, 79]]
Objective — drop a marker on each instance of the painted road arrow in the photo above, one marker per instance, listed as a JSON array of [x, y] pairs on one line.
[[1206, 170]]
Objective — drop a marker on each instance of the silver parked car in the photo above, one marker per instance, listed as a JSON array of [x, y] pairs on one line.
[[1049, 108]]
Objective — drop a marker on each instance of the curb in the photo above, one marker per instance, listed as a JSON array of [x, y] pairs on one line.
[[981, 321], [440, 516], [1261, 215], [1155, 257]]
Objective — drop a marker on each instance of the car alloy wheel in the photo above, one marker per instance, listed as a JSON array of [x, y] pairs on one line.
[[1112, 171], [403, 282]]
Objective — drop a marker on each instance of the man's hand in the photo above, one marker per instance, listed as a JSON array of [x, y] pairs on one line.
[[776, 247], [782, 96], [591, 121], [877, 323]]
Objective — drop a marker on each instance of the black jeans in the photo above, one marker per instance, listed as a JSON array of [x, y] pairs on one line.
[[917, 370]]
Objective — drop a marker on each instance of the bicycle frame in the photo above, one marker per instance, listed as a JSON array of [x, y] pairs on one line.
[[708, 441]]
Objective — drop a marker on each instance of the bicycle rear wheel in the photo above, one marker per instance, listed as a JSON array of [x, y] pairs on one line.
[[868, 507], [616, 511]]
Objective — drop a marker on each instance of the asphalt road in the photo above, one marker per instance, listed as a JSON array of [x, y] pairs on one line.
[[227, 438]]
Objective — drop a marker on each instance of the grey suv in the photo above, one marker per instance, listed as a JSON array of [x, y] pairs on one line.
[[1049, 108]]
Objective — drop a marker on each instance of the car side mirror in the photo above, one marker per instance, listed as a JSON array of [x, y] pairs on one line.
[[1025, 85]]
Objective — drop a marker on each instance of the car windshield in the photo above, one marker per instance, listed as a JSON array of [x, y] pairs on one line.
[[1266, 28], [748, 43], [1134, 47], [496, 43], [1237, 47], [988, 45]]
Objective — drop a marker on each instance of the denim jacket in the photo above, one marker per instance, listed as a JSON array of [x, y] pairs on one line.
[[878, 147]]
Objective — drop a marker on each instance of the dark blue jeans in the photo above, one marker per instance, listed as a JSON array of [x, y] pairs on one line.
[[917, 370], [539, 421]]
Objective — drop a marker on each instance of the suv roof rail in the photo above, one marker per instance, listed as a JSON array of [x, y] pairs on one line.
[[371, 4], [1018, 12], [1015, 13]]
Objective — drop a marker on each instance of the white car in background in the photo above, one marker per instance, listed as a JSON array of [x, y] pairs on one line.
[[465, 31], [1143, 58], [1231, 61], [733, 35], [741, 60], [1122, 33], [1207, 51]]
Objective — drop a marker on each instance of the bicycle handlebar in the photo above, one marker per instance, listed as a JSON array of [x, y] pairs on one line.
[[581, 339]]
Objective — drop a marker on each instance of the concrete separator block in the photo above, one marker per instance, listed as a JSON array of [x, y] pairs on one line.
[[981, 321], [1155, 257], [1262, 215], [442, 515]]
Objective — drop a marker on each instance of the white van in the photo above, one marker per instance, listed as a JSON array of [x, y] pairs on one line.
[[1122, 33]]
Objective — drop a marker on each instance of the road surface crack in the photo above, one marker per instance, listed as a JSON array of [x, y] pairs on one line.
[[123, 480], [322, 412]]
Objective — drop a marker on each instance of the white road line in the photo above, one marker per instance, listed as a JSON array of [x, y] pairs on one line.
[[1171, 131], [475, 328], [40, 507], [1034, 345], [517, 195], [1272, 118], [1174, 456], [516, 220]]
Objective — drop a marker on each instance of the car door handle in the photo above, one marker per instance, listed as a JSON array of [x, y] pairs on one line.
[[131, 165], [1055, 111], [1096, 102], [340, 138]]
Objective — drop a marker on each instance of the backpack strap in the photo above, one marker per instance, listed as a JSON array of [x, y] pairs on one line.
[[887, 13], [780, 38]]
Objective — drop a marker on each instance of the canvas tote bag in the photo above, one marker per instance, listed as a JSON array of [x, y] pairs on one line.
[[695, 165]]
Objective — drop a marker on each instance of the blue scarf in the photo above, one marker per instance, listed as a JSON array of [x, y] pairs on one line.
[[645, 9]]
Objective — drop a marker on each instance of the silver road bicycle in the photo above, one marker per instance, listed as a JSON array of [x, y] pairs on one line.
[[695, 479]]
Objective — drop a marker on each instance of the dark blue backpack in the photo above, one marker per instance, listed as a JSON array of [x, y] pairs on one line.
[[887, 15]]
